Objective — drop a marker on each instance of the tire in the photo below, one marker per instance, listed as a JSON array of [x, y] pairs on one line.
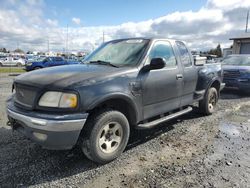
[[208, 104], [19, 64], [36, 68], [1, 65], [105, 136]]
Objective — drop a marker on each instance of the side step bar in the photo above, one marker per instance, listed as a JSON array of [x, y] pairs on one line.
[[151, 124]]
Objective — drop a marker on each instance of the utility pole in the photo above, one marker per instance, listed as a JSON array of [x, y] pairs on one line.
[[247, 21], [67, 39], [103, 36], [48, 46]]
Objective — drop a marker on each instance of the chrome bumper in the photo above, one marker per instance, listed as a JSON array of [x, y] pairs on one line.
[[57, 134], [48, 125]]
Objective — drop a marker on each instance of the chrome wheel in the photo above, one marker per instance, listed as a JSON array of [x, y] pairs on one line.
[[212, 101], [110, 137]]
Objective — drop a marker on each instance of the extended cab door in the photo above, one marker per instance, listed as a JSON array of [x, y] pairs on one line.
[[190, 73], [59, 61], [162, 88]]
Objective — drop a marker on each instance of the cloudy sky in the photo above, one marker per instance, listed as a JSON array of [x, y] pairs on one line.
[[30, 24]]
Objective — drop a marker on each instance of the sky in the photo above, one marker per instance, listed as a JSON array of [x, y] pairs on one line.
[[202, 24]]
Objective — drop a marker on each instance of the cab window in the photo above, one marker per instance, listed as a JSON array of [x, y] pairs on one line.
[[163, 49], [184, 54], [58, 59]]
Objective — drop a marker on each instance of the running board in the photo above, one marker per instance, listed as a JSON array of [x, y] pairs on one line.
[[151, 124]]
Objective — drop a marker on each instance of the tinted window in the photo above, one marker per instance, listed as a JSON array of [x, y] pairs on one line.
[[58, 59], [185, 57], [164, 50]]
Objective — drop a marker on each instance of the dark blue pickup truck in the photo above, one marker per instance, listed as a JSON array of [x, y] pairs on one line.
[[236, 69], [48, 62], [123, 85]]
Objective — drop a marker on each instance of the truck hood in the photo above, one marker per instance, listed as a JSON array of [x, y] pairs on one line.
[[235, 67], [68, 75]]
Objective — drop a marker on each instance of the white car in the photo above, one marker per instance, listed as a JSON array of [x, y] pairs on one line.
[[12, 61]]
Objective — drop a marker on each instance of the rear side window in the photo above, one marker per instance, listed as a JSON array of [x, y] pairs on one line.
[[185, 57], [163, 49], [58, 59]]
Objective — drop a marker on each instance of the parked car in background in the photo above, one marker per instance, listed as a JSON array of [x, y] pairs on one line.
[[12, 61], [210, 58], [47, 62], [125, 84], [236, 70]]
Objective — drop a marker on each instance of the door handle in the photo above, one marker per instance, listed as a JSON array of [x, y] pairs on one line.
[[179, 76]]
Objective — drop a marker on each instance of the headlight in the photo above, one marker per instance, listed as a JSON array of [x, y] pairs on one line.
[[28, 64], [58, 100]]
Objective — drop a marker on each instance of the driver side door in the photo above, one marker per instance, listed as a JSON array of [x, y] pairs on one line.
[[161, 88]]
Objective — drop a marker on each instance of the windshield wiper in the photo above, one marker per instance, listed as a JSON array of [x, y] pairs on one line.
[[104, 63]]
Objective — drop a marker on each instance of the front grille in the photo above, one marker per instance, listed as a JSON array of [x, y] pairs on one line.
[[25, 96], [231, 74]]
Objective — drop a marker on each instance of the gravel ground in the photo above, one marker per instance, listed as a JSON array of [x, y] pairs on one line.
[[191, 151]]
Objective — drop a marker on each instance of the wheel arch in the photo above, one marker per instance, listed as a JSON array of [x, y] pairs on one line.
[[120, 102], [216, 84]]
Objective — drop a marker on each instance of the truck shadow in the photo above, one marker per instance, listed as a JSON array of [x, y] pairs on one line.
[[233, 94], [24, 163]]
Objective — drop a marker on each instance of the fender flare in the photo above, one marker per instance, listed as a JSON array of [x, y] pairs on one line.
[[117, 96]]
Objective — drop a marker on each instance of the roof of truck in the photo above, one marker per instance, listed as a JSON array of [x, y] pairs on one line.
[[146, 38]]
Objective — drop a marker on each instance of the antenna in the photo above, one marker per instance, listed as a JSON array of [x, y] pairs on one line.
[[247, 21]]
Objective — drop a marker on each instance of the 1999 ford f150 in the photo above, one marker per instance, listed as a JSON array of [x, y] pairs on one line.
[[124, 84]]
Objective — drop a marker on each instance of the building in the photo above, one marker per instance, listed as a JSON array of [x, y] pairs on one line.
[[227, 51], [241, 45]]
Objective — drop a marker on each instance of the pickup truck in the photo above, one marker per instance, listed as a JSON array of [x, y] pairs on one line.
[[125, 84], [12, 61], [47, 62], [236, 72]]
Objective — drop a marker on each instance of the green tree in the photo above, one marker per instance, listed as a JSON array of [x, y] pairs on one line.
[[3, 50], [18, 50], [218, 51]]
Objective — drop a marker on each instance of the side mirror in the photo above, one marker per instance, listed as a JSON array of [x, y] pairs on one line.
[[199, 61], [157, 63]]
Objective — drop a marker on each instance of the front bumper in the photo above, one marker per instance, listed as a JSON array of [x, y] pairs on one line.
[[51, 131], [240, 83]]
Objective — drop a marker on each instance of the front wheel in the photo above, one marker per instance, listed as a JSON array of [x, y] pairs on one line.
[[208, 104], [105, 136], [19, 64], [36, 68]]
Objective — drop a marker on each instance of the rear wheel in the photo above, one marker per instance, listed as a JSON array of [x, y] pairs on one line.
[[105, 136], [208, 104], [1, 65]]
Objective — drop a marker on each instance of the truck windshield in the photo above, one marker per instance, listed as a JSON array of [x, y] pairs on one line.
[[119, 53], [237, 60]]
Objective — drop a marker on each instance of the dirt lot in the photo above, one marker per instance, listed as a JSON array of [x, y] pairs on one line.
[[191, 151]]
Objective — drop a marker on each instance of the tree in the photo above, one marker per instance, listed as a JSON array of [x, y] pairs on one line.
[[215, 51], [18, 50], [218, 51], [3, 50]]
